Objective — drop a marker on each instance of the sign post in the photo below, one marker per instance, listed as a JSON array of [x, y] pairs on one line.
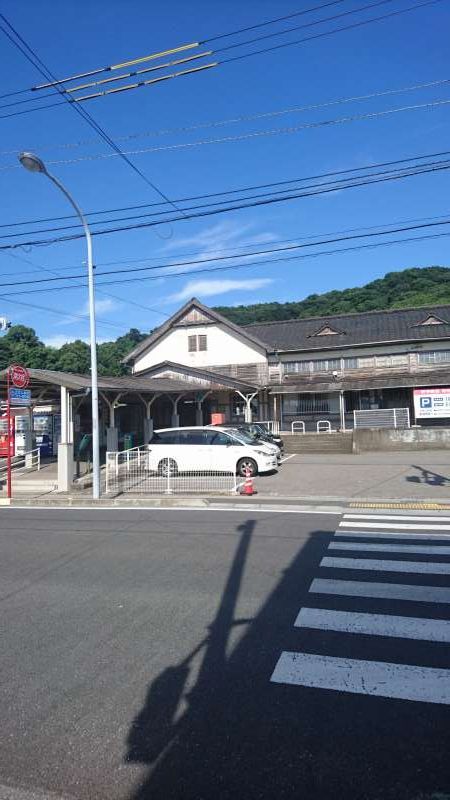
[[19, 377]]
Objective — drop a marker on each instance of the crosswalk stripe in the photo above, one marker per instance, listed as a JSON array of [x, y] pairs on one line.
[[381, 591], [382, 565], [390, 534], [432, 630], [401, 526], [377, 678], [434, 550], [395, 517]]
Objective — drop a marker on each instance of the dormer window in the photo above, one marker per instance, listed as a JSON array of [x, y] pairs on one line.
[[431, 319], [327, 330], [197, 343]]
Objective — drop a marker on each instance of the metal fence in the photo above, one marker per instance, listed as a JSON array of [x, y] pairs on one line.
[[129, 471], [382, 418]]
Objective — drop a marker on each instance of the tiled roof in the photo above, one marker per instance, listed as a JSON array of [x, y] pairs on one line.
[[368, 327]]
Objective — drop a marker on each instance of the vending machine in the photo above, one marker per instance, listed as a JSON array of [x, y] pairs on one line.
[[47, 431], [4, 438]]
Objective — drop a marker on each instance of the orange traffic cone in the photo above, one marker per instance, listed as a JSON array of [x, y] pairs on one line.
[[248, 489]]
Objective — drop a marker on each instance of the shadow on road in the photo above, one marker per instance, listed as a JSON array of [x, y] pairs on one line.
[[245, 738], [428, 476]]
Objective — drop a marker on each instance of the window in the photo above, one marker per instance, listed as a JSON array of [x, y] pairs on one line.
[[165, 437], [197, 343], [194, 436], [434, 357], [218, 437]]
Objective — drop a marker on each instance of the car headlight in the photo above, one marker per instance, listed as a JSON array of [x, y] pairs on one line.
[[262, 453]]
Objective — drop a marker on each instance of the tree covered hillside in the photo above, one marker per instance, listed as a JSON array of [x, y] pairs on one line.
[[409, 288], [412, 287]]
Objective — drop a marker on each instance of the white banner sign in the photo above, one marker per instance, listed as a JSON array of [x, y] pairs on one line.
[[431, 403]]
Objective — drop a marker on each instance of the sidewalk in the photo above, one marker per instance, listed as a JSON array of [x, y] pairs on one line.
[[330, 480]]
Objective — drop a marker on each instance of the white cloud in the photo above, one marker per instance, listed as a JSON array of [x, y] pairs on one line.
[[209, 288], [102, 307], [61, 338]]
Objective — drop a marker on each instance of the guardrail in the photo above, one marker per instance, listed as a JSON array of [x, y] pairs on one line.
[[29, 461], [301, 425]]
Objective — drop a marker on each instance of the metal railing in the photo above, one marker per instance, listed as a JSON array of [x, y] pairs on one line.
[[382, 418], [323, 426], [29, 461], [298, 423], [131, 471]]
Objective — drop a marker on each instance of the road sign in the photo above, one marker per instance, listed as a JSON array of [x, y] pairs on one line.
[[19, 376], [19, 397]]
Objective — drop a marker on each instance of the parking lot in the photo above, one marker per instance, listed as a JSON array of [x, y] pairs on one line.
[[413, 475]]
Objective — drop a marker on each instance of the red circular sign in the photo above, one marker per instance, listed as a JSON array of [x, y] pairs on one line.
[[20, 377]]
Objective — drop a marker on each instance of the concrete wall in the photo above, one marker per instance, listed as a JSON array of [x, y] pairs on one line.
[[411, 439]]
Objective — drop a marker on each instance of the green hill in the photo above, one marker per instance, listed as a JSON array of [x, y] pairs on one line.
[[409, 288]]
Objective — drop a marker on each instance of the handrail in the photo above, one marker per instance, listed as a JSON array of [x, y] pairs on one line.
[[29, 460]]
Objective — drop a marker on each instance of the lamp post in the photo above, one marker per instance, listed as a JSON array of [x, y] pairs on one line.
[[33, 163]]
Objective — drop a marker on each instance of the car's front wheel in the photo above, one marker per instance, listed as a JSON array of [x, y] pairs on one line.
[[247, 467], [167, 466]]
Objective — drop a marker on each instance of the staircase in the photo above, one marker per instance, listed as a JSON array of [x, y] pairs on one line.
[[318, 442]]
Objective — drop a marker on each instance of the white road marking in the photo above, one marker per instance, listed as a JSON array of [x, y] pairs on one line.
[[390, 534], [377, 678], [434, 550], [382, 565], [382, 591], [395, 517], [406, 526], [431, 630], [286, 458]]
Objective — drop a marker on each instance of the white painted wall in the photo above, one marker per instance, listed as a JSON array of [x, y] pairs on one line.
[[224, 347]]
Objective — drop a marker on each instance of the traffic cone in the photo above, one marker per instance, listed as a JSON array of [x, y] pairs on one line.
[[248, 489]]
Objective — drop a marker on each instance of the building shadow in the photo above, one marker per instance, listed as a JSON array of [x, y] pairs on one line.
[[428, 477], [243, 737]]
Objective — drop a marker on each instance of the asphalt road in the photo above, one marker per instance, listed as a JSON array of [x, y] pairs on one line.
[[147, 655]]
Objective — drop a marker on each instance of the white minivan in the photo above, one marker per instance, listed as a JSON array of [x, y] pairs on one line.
[[174, 450]]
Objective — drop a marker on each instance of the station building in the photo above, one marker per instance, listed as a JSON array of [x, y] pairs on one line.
[[199, 367]]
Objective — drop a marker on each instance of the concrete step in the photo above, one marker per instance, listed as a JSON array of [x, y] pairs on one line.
[[318, 442]]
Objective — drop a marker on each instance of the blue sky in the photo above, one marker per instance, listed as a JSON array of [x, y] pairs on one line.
[[76, 36]]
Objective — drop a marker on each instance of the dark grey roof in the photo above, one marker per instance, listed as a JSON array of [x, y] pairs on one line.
[[209, 312], [197, 372], [368, 327], [129, 383]]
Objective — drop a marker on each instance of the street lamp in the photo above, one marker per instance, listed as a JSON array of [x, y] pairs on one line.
[[33, 163]]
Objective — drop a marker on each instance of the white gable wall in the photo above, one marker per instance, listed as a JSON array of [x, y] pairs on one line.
[[223, 347]]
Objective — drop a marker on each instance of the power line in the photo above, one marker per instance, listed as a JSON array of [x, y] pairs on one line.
[[372, 245], [244, 117], [241, 189], [141, 84], [358, 181], [37, 62], [252, 254], [253, 134]]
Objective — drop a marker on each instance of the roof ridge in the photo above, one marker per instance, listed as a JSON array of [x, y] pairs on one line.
[[346, 314]]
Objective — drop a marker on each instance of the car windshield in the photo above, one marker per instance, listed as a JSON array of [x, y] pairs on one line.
[[243, 436]]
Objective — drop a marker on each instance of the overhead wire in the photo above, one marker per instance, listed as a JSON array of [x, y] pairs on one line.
[[251, 254], [122, 281], [242, 203], [77, 99], [241, 189], [245, 117], [37, 62]]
